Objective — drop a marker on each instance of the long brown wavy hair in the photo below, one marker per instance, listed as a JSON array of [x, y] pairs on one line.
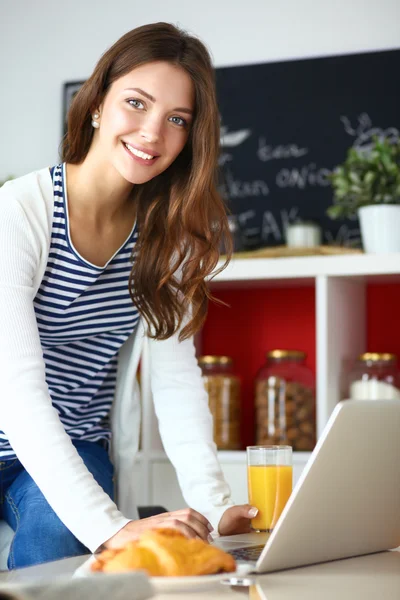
[[181, 218]]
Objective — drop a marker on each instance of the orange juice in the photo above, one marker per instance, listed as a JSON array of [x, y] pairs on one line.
[[254, 594], [269, 489]]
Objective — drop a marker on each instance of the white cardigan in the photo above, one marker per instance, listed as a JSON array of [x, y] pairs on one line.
[[32, 424]]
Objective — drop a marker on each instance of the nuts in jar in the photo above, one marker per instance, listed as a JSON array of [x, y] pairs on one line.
[[285, 401], [223, 388]]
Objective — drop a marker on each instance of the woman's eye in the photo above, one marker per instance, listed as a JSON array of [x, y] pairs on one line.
[[135, 103], [179, 121]]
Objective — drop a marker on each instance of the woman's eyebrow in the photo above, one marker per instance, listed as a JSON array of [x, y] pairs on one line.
[[152, 99]]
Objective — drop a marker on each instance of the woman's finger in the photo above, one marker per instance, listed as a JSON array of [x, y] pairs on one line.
[[196, 520], [190, 512], [191, 518], [180, 526]]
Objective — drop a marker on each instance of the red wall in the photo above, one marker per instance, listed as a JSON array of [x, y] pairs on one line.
[[259, 320], [383, 318]]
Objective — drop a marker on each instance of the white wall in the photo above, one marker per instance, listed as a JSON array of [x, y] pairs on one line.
[[44, 43]]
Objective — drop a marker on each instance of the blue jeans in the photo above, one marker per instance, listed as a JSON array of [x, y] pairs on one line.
[[40, 536]]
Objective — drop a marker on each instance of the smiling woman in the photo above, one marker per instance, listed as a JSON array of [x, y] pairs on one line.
[[102, 256], [153, 94]]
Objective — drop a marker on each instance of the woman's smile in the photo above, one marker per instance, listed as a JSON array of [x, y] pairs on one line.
[[140, 156]]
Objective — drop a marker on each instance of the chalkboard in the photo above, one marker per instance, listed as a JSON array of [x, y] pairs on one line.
[[286, 125]]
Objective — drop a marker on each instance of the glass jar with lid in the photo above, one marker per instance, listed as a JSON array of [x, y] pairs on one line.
[[223, 388], [374, 376], [285, 401]]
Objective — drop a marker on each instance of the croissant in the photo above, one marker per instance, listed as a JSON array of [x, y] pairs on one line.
[[165, 552]]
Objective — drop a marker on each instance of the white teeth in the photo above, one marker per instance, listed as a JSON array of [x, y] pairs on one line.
[[138, 152]]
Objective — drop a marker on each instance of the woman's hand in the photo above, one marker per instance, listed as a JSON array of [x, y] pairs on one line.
[[236, 519], [188, 521]]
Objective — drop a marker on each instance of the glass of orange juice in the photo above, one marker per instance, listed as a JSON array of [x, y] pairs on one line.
[[270, 483]]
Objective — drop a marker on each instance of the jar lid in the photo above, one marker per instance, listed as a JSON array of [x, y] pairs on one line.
[[209, 359], [286, 354], [377, 356]]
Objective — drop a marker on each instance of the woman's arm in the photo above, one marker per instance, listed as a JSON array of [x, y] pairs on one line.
[[26, 413], [185, 422]]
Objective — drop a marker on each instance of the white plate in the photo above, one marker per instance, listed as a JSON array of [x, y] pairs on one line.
[[169, 584], [186, 584]]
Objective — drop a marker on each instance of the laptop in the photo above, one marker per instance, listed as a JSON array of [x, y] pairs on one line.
[[347, 500]]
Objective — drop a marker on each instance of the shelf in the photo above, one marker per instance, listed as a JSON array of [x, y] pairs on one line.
[[224, 456], [369, 267], [239, 456], [333, 307]]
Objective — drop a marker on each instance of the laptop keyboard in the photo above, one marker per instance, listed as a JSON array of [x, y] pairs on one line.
[[251, 553]]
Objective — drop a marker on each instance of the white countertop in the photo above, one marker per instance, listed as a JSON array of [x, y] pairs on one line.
[[372, 577]]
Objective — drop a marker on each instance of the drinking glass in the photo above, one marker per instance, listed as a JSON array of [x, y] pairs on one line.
[[270, 483]]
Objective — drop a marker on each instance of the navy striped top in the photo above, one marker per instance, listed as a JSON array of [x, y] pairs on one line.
[[84, 315]]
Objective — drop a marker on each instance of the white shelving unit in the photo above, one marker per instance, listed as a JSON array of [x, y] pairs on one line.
[[340, 300]]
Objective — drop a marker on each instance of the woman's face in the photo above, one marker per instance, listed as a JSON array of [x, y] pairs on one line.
[[145, 120]]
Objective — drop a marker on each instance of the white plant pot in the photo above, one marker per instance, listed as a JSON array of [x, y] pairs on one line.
[[380, 228]]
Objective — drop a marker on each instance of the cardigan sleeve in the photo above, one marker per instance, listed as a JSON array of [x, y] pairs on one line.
[[185, 424], [27, 416]]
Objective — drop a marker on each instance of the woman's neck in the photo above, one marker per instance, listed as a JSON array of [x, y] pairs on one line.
[[97, 191]]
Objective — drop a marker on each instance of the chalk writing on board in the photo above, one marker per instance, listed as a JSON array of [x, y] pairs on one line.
[[364, 132], [301, 177], [267, 152], [235, 188], [273, 225], [347, 236], [273, 228], [231, 139], [244, 218]]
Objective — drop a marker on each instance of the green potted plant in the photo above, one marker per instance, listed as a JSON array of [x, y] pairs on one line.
[[367, 184]]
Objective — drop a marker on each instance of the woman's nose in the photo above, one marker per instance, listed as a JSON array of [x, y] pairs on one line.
[[151, 130]]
